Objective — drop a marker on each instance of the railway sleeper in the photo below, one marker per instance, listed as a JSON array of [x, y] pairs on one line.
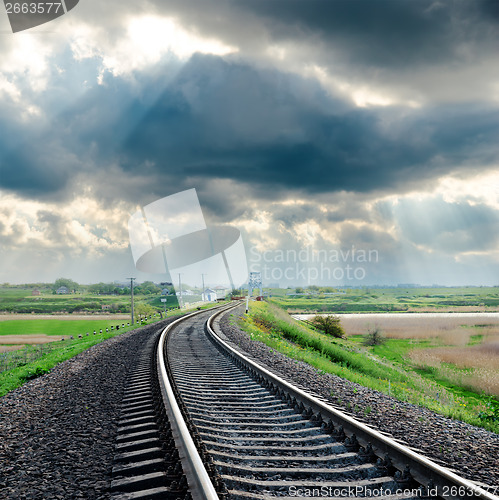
[[146, 463], [290, 460], [366, 486], [360, 471]]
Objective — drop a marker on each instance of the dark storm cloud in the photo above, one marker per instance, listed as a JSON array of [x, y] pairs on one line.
[[228, 120], [383, 32], [271, 131], [35, 168]]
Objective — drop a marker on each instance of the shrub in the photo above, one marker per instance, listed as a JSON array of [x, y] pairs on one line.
[[329, 324], [374, 337]]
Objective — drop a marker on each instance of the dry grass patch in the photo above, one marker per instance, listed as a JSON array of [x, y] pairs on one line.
[[449, 328], [39, 338], [64, 317], [477, 356], [9, 348], [480, 362]]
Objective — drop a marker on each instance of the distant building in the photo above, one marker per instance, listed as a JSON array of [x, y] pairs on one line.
[[210, 295], [106, 307], [221, 291], [62, 290], [35, 293], [165, 291]]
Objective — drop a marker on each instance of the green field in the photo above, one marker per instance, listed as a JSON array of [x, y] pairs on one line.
[[19, 299], [32, 361], [387, 368], [316, 299], [36, 360]]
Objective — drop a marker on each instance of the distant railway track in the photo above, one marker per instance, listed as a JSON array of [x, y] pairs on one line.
[[230, 429]]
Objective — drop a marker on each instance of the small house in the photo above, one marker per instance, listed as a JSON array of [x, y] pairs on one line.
[[210, 295], [221, 291]]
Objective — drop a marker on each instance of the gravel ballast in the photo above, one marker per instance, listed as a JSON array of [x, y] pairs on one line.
[[470, 451], [57, 432]]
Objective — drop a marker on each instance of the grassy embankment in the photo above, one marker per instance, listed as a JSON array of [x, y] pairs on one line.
[[386, 368], [34, 360]]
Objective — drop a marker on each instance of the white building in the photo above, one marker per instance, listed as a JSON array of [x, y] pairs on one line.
[[210, 295]]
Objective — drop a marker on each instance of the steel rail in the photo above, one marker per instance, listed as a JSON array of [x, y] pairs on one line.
[[200, 485], [424, 470]]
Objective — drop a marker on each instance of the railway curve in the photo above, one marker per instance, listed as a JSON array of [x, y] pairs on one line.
[[242, 432]]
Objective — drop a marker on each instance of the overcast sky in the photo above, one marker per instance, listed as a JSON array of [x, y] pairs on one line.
[[311, 125]]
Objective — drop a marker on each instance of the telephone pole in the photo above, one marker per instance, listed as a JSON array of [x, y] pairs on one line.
[[180, 289], [131, 292], [202, 292]]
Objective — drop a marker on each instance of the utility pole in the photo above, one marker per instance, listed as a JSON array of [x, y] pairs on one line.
[[202, 293], [180, 289], [131, 291]]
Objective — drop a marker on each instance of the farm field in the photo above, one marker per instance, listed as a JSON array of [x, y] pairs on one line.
[[33, 345], [32, 359], [447, 364], [57, 326], [19, 299], [25, 340], [349, 300]]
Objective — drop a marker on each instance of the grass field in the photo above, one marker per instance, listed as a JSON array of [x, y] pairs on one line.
[[390, 368], [19, 299], [57, 327], [32, 362], [37, 358], [464, 299]]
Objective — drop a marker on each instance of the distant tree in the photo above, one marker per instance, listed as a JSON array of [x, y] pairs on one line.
[[147, 288], [143, 310], [299, 289], [329, 324], [69, 284], [101, 288]]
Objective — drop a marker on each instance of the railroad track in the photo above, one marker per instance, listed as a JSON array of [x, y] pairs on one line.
[[231, 429]]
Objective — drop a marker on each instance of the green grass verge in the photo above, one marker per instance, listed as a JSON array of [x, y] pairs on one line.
[[59, 351], [11, 379], [62, 350], [57, 326], [273, 326]]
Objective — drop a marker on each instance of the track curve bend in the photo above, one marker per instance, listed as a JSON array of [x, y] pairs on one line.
[[253, 435]]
